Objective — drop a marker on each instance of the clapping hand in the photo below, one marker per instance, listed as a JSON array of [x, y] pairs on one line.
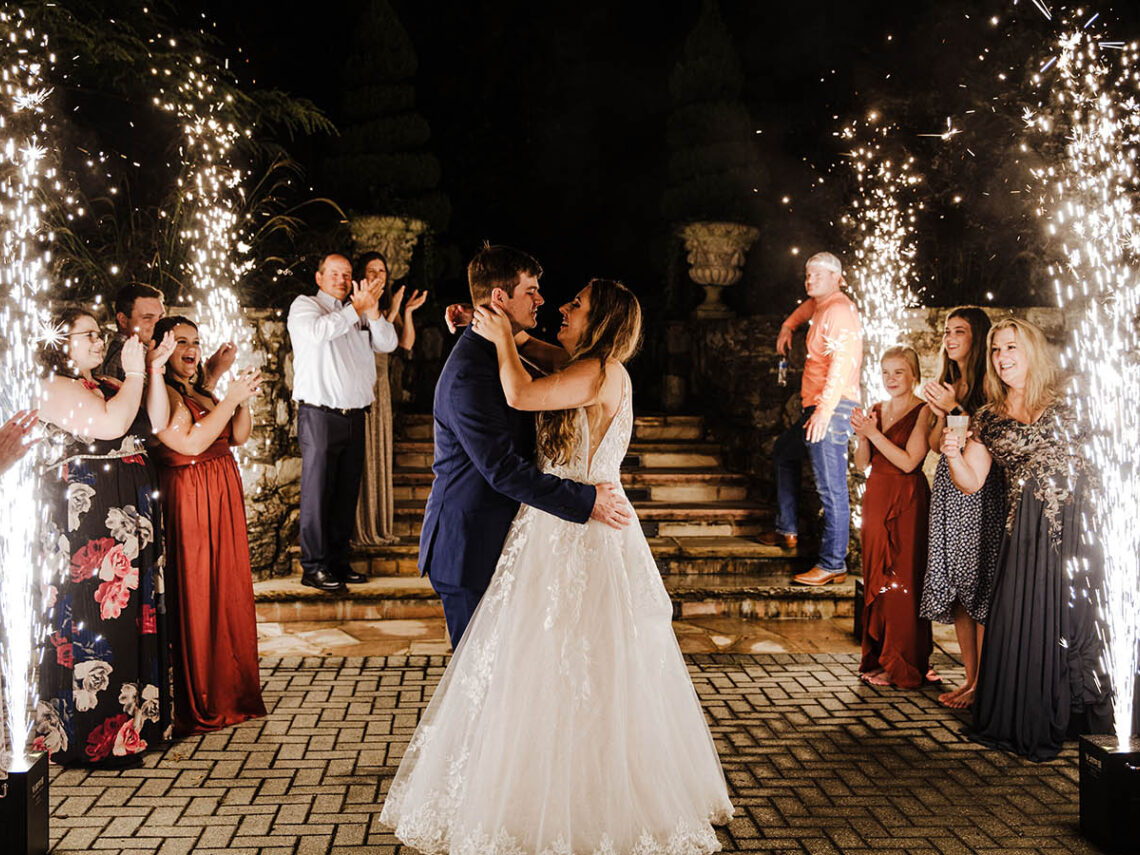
[[493, 324], [12, 436], [457, 315], [941, 397], [864, 424], [222, 360], [366, 298], [159, 352], [244, 386], [417, 299], [134, 356]]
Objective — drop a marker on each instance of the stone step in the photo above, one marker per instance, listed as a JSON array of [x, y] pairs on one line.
[[417, 455], [286, 600], [658, 519], [675, 556], [649, 427], [641, 485], [757, 598]]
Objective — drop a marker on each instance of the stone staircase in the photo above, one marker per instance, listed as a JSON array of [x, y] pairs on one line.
[[700, 519]]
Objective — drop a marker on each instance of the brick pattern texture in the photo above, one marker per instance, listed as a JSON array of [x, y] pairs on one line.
[[816, 762]]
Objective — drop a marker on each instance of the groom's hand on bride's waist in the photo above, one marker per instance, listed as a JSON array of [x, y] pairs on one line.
[[611, 507]]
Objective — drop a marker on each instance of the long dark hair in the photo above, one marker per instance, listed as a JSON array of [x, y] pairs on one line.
[[197, 382], [613, 331], [53, 353], [976, 359], [358, 274]]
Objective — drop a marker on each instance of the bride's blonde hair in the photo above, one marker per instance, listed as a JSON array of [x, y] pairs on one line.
[[613, 331]]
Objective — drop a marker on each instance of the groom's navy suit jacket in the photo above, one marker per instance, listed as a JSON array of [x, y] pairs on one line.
[[484, 467]]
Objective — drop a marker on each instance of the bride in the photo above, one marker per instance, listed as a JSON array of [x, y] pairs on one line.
[[566, 722]]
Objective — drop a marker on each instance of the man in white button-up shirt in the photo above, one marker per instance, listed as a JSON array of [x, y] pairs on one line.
[[334, 374]]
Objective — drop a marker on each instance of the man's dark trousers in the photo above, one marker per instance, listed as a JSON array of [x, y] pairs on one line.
[[332, 459]]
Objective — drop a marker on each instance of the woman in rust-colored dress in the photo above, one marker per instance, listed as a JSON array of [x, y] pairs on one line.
[[213, 625], [896, 508]]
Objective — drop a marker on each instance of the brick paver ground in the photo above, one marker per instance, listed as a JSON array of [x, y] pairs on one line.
[[816, 762]]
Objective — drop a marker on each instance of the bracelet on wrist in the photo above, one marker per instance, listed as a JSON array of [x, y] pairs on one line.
[[957, 411], [134, 374]]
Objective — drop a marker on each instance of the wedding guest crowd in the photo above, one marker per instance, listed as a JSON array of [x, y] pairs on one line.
[[991, 549], [150, 613]]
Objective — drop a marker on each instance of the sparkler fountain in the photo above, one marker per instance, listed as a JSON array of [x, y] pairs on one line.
[[881, 220], [212, 186], [1088, 202], [24, 174]]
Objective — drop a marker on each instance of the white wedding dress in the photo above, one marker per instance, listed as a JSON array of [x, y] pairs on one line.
[[566, 723]]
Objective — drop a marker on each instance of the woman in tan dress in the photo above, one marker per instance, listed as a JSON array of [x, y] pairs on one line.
[[376, 508]]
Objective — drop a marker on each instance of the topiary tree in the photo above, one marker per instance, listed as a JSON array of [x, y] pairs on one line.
[[381, 163], [714, 167]]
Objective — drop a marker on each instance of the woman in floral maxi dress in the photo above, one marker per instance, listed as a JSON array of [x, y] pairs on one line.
[[104, 674]]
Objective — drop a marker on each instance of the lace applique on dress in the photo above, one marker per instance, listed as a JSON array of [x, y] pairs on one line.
[[568, 665], [1039, 454]]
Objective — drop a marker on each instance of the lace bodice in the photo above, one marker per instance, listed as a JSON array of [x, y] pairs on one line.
[[606, 465], [1042, 455]]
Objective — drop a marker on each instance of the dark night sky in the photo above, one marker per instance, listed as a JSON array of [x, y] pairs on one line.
[[549, 117]]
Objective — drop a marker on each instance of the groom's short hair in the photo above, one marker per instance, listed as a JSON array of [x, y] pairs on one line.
[[498, 267]]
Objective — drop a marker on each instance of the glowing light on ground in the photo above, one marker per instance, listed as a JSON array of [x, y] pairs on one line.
[[1087, 200], [25, 174]]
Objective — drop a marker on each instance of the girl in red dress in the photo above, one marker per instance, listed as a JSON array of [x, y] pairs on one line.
[[892, 440], [213, 625]]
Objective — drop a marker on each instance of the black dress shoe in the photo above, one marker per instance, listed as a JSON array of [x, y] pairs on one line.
[[322, 580], [351, 577]]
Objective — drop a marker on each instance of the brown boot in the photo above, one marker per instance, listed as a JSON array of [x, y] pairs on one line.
[[817, 576], [775, 538]]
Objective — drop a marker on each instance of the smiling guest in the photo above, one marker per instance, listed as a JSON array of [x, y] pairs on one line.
[[1041, 675], [334, 379], [896, 505], [103, 697], [965, 530], [214, 628]]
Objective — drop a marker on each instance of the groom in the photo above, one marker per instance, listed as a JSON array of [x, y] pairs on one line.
[[484, 452]]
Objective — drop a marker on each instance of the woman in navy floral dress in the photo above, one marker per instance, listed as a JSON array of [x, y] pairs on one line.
[[104, 673]]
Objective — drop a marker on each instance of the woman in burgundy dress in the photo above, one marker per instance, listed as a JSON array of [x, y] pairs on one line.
[[214, 629], [892, 440]]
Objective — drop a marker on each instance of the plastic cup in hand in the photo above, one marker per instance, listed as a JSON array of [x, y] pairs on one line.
[[959, 424]]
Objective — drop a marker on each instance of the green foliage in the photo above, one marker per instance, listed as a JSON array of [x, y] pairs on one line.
[[714, 167], [381, 164], [126, 160]]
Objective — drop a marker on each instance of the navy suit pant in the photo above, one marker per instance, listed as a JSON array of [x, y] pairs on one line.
[[332, 460], [458, 606]]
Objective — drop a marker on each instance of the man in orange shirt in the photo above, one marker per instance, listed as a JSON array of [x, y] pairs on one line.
[[830, 390]]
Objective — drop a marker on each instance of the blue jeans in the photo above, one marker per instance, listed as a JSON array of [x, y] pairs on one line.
[[829, 467]]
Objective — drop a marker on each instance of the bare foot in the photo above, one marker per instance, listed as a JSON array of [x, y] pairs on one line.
[[963, 701], [947, 698], [867, 675], [877, 678], [932, 677]]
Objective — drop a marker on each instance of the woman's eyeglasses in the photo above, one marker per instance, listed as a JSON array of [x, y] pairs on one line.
[[91, 335]]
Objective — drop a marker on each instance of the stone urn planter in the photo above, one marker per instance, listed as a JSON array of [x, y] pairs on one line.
[[716, 253], [393, 237]]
